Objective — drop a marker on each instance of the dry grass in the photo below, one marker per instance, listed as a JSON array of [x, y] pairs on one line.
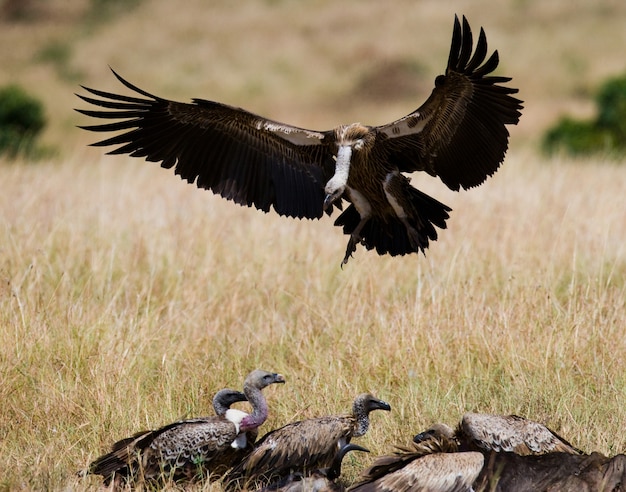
[[127, 298]]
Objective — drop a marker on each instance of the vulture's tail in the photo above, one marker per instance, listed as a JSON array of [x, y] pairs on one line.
[[391, 235]]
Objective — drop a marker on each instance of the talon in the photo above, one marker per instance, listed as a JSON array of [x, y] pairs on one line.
[[351, 248]]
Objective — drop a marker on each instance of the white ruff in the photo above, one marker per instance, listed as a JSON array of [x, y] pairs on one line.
[[236, 416]]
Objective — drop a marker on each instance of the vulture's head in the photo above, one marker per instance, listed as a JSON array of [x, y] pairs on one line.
[[437, 431], [224, 398], [260, 379], [366, 402], [348, 139]]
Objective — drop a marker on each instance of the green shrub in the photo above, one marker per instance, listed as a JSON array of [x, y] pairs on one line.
[[606, 134], [611, 102], [21, 121]]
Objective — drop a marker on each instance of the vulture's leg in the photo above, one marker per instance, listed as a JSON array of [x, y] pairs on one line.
[[394, 187], [355, 238], [364, 208]]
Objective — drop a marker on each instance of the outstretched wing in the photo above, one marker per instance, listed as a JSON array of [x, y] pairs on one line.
[[459, 133], [236, 154]]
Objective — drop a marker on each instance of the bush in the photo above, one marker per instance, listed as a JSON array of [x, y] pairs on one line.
[[21, 121], [611, 101], [605, 134]]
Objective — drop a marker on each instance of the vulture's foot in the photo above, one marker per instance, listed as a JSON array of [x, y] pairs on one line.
[[351, 248]]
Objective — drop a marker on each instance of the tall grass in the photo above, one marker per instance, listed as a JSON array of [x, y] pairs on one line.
[[127, 298]]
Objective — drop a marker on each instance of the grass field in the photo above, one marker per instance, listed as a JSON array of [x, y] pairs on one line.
[[127, 298]]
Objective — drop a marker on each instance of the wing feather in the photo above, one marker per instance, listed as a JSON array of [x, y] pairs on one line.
[[234, 153], [459, 133], [512, 433], [300, 446], [409, 470]]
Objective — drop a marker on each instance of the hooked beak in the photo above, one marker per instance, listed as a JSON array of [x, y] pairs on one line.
[[423, 436], [383, 405], [376, 404], [328, 202]]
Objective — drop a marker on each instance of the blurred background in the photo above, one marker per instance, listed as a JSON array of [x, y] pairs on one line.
[[314, 64]]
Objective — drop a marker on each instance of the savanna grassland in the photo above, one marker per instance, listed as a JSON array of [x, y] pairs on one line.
[[127, 298]]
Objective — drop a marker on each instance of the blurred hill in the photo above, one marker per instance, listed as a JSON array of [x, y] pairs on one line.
[[314, 64]]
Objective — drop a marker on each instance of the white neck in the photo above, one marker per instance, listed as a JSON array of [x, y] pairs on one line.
[[342, 167]]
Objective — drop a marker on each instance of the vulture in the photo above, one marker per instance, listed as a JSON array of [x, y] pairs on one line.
[[508, 433], [553, 472], [304, 446], [459, 134], [525, 456], [323, 480], [183, 450], [432, 465]]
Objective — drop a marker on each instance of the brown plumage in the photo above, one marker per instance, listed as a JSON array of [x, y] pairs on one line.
[[525, 456], [511, 433], [186, 449], [304, 446], [324, 480], [430, 466], [459, 135], [552, 472]]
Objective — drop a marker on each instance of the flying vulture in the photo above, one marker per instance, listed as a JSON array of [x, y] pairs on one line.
[[507, 433], [459, 135], [185, 449], [304, 446]]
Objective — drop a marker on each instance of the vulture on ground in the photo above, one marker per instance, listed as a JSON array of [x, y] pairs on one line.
[[188, 449], [511, 433], [524, 456], [324, 480], [458, 134], [433, 465], [552, 472], [303, 446]]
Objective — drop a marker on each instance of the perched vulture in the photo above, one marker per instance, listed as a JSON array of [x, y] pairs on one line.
[[510, 433], [459, 135], [430, 466], [304, 446], [186, 449], [323, 480]]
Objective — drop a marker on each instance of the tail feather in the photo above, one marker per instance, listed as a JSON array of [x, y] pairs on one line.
[[388, 235]]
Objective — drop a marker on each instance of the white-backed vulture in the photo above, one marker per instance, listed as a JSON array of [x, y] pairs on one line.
[[429, 466], [190, 448], [459, 134], [324, 480], [304, 446], [511, 433], [525, 456]]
